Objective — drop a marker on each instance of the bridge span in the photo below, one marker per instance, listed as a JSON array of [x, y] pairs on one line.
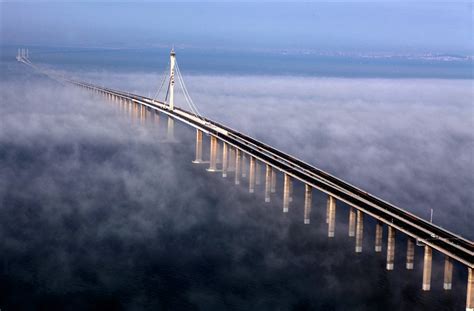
[[234, 148]]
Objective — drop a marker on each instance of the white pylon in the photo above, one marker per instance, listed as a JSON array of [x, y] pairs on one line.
[[172, 64]]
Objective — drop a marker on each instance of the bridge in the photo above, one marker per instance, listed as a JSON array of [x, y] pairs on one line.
[[232, 152]]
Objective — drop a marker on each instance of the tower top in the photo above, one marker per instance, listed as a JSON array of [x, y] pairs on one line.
[[172, 52]]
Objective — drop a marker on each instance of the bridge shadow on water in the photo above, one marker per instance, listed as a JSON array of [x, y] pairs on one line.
[[132, 223]]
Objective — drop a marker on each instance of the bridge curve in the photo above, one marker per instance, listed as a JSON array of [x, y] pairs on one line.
[[418, 230]]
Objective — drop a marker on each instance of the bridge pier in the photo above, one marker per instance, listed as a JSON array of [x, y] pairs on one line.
[[225, 159], [231, 165], [268, 181], [352, 220], [308, 197], [359, 231], [327, 210], [218, 153], [258, 173], [410, 253], [390, 248], [470, 290], [137, 113], [237, 166], [448, 273], [290, 198], [378, 236], [274, 181], [244, 165], [427, 260], [332, 216], [286, 193], [213, 155], [198, 145], [252, 175]]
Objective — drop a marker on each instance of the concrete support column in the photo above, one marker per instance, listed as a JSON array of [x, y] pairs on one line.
[[470, 290], [427, 268], [378, 236], [286, 193], [218, 153], [231, 166], [390, 248], [237, 166], [198, 145], [225, 158], [327, 211], [137, 116], [352, 221], [410, 253], [332, 216], [308, 198], [448, 273], [291, 191], [213, 155], [274, 181], [268, 181], [170, 133], [244, 165], [252, 175], [258, 173], [359, 231]]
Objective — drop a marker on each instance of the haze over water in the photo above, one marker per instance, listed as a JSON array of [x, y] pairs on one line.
[[100, 212]]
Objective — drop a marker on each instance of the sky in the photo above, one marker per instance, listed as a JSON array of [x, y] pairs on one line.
[[421, 26]]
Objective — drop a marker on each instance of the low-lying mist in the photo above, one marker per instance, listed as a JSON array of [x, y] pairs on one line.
[[408, 141]]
